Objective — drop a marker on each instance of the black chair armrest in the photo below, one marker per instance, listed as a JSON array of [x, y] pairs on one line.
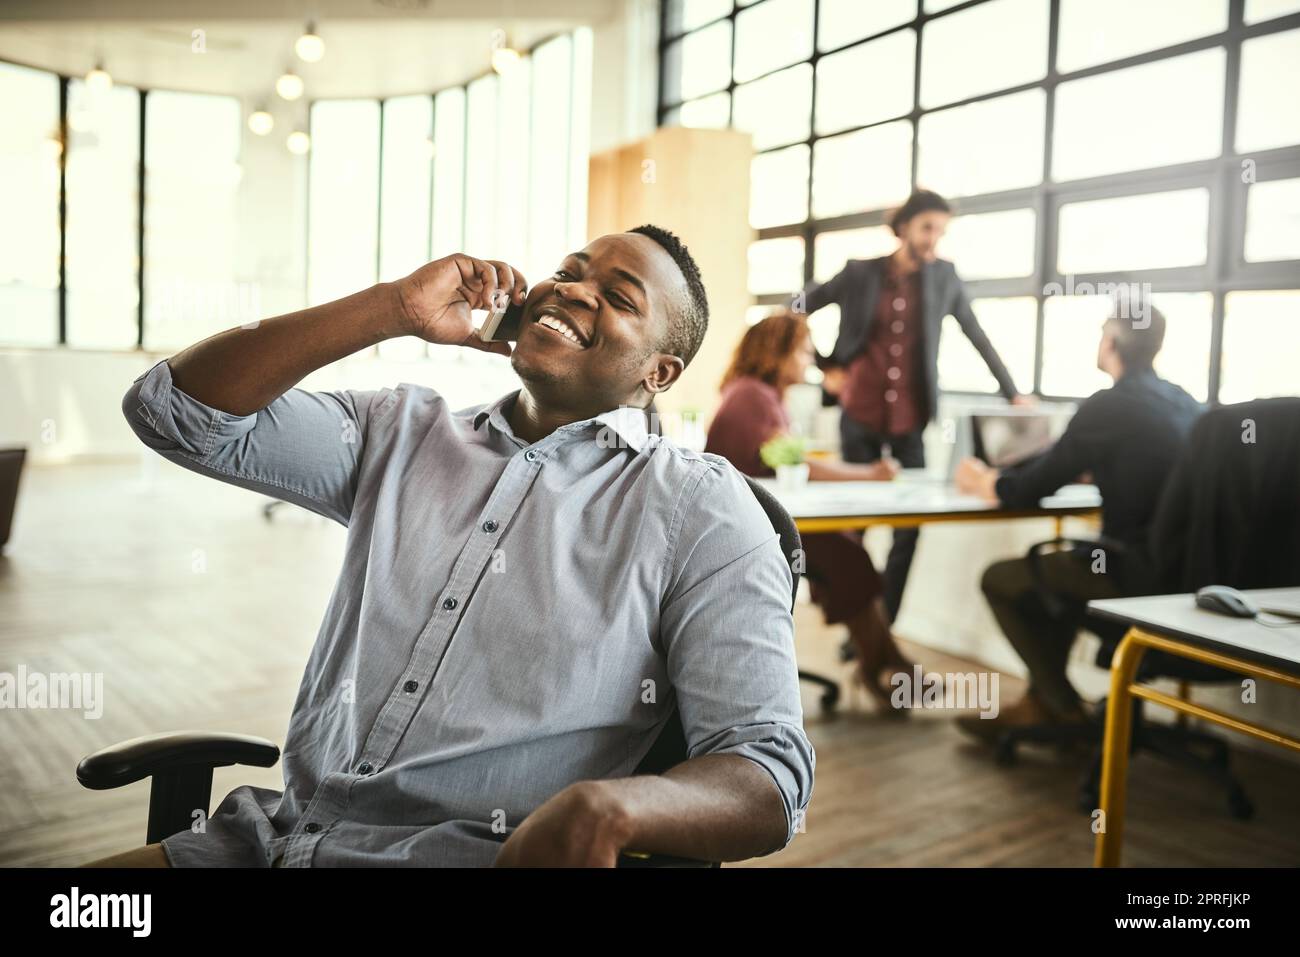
[[129, 761]]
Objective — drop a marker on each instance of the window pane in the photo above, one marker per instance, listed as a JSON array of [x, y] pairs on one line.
[[1184, 359], [1072, 331], [449, 172], [1273, 221], [1009, 324], [991, 245], [343, 193], [710, 112], [481, 173], [869, 169], [683, 15], [698, 63], [509, 240], [843, 21], [866, 83], [938, 6], [190, 220], [776, 266], [548, 210], [1266, 113], [831, 250], [1099, 31], [778, 187], [405, 200], [103, 219], [1180, 102], [29, 198], [771, 35], [1260, 10], [984, 147], [1010, 49], [1156, 231], [1261, 339], [775, 109]]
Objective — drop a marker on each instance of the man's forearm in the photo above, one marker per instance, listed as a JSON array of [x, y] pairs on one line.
[[243, 370], [718, 807]]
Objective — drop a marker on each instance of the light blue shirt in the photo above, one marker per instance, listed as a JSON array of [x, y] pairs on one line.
[[509, 619]]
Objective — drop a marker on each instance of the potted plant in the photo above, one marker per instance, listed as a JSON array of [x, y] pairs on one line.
[[785, 454]]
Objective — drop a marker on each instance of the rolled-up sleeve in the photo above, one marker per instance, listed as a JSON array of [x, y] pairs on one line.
[[304, 447], [729, 636]]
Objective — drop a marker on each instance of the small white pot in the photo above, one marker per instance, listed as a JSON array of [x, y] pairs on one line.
[[791, 477]]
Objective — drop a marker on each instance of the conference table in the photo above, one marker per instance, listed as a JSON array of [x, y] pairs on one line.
[[1267, 648], [915, 497]]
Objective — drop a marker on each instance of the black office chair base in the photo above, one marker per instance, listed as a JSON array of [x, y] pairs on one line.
[[830, 690]]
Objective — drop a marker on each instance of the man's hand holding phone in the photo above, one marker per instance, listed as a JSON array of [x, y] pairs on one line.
[[435, 301]]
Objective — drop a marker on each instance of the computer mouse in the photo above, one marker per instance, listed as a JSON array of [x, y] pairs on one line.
[[1226, 601]]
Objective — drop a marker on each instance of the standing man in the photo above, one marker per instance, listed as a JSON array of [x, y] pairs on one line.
[[884, 367]]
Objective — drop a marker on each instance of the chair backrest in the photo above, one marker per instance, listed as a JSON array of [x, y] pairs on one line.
[[1230, 511], [669, 749], [11, 467]]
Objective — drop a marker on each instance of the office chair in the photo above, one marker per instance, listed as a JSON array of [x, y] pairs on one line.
[[11, 470], [1228, 514], [181, 762]]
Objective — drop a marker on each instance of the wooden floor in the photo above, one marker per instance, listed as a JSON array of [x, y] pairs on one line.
[[199, 615]]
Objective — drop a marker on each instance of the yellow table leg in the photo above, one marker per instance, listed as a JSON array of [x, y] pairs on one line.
[[1114, 766]]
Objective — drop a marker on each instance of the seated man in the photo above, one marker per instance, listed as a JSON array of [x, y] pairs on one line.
[[529, 588], [1127, 438]]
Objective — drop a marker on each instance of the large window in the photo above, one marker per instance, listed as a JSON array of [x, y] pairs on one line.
[[496, 168], [1085, 144], [30, 148]]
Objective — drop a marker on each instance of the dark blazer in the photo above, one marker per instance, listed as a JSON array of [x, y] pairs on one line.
[[856, 289]]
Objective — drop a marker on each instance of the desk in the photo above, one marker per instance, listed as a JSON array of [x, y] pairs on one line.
[[1173, 624], [912, 500]]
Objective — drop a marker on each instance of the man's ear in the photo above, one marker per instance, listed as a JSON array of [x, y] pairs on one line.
[[663, 373]]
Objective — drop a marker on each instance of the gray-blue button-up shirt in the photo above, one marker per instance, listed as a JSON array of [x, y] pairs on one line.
[[509, 619]]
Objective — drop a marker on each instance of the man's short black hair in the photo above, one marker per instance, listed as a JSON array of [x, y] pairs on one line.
[[921, 201], [690, 319]]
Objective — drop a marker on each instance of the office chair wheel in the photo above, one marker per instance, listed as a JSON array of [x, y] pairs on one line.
[[1239, 805], [1089, 800], [829, 699], [1005, 752]]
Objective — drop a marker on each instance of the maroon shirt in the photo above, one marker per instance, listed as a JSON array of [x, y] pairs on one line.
[[751, 413], [883, 389]]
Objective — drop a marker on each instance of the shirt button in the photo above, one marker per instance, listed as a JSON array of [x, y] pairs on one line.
[[891, 395], [530, 455], [365, 767], [894, 372], [490, 526], [895, 350], [897, 326], [899, 304], [312, 827], [411, 687], [450, 603]]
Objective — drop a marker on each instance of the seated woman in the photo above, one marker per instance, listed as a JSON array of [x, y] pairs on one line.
[[773, 355]]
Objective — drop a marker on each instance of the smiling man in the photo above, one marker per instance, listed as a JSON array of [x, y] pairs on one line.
[[522, 605]]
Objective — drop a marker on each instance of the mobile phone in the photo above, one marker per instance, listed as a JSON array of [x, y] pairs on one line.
[[503, 324]]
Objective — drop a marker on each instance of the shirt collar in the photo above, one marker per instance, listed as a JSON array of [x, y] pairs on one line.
[[624, 426]]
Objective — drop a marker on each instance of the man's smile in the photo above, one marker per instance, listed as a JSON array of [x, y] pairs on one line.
[[556, 320]]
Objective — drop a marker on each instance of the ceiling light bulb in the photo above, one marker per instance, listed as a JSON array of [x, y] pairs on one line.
[[504, 59], [261, 122], [298, 142], [309, 47], [98, 80], [289, 86]]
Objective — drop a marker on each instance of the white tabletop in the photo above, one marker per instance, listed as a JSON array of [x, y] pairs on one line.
[[907, 495], [1177, 616]]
